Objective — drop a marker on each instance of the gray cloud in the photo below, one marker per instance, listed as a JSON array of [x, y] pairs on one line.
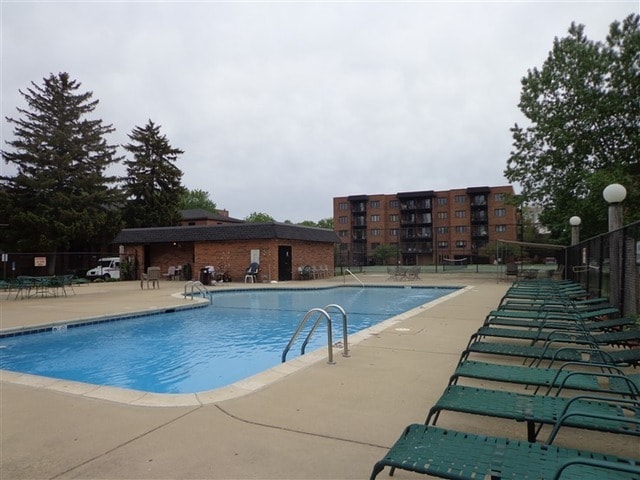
[[281, 106]]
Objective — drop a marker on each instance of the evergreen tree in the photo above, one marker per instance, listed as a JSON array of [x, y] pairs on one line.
[[153, 184], [583, 108], [60, 198]]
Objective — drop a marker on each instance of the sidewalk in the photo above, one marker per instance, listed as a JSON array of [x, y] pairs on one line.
[[319, 422]]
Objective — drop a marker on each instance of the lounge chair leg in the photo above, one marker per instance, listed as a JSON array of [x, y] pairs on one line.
[[377, 468], [531, 431]]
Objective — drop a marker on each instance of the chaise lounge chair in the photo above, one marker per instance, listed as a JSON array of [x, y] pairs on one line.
[[590, 412], [458, 455], [601, 378]]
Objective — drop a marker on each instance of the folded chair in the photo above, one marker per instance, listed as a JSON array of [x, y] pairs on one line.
[[587, 411], [458, 455]]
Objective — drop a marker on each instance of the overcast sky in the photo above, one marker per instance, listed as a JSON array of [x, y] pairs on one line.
[[281, 106]]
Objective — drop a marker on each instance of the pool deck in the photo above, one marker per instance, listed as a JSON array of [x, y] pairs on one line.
[[308, 420]]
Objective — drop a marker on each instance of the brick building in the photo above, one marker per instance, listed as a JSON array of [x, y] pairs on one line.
[[425, 227], [279, 248]]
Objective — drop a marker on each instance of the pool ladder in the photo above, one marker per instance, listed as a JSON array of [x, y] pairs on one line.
[[197, 285], [322, 314]]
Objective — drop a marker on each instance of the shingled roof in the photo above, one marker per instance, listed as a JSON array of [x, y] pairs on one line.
[[225, 233]]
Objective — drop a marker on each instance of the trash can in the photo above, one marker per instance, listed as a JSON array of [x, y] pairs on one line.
[[205, 276]]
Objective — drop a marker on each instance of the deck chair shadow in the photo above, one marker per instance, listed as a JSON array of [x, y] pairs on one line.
[[152, 277], [251, 275]]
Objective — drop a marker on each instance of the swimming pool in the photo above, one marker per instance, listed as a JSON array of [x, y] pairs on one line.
[[242, 333]]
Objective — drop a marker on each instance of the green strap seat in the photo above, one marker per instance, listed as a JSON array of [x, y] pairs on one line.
[[458, 455]]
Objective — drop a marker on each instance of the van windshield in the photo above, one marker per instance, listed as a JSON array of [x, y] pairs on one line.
[[105, 263]]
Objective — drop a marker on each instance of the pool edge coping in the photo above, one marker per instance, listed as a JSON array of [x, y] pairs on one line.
[[235, 390]]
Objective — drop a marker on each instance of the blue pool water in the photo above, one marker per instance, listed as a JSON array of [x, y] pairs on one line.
[[243, 333]]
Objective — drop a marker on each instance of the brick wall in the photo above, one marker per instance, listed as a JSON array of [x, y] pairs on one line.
[[234, 257]]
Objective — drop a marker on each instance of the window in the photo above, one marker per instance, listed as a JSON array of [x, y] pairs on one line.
[[442, 229], [499, 197], [394, 217], [461, 244], [460, 198], [343, 219], [343, 206], [343, 233], [375, 218], [442, 200], [394, 203], [375, 232], [393, 232], [500, 212], [443, 244], [501, 228], [375, 203], [461, 229], [461, 213], [443, 215]]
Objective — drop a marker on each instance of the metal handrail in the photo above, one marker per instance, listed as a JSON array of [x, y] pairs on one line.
[[197, 285], [353, 275], [345, 334], [321, 313]]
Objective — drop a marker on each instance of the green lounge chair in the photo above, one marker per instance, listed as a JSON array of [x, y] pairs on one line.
[[527, 321], [582, 411], [458, 455], [607, 379], [621, 337]]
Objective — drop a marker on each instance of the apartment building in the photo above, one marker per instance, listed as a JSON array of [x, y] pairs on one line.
[[425, 227]]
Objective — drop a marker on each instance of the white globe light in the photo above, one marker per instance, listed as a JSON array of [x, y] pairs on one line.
[[614, 193], [575, 221]]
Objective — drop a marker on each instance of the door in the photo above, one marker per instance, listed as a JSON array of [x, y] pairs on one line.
[[284, 263]]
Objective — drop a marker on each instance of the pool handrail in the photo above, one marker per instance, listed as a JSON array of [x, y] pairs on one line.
[[197, 285], [353, 275], [321, 313], [345, 333]]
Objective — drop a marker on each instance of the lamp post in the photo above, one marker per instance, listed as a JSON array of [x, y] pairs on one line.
[[575, 222], [615, 194]]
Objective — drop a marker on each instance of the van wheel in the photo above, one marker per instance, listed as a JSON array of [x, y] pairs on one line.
[[106, 276]]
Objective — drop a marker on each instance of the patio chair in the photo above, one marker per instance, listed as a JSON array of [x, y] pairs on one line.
[[467, 456], [414, 272], [619, 337], [171, 273], [251, 274], [152, 277], [599, 378], [587, 411], [580, 352]]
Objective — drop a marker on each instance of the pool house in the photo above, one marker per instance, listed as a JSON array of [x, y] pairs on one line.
[[280, 249]]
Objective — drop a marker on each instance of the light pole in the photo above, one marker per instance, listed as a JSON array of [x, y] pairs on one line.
[[575, 222], [615, 194]]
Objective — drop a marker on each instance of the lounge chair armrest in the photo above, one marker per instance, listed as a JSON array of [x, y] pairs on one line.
[[602, 464], [633, 388], [584, 414]]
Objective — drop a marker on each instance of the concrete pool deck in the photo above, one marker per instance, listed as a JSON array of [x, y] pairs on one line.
[[318, 422]]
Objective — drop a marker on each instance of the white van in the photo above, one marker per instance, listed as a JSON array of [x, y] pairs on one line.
[[107, 268]]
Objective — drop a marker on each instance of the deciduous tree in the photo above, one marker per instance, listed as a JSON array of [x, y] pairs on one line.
[[583, 130]]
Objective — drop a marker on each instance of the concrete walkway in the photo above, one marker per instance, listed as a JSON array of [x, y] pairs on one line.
[[314, 421]]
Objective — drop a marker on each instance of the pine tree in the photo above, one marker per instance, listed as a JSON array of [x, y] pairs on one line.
[[60, 197], [153, 184]]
